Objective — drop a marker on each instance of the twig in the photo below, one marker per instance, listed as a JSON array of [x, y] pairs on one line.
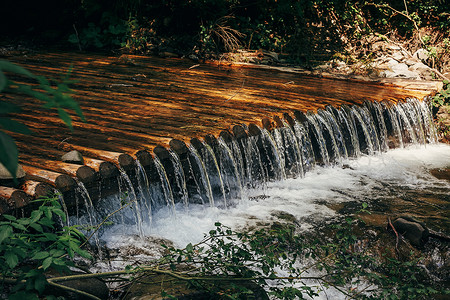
[[396, 235], [194, 66], [236, 91], [78, 38], [120, 84], [73, 290]]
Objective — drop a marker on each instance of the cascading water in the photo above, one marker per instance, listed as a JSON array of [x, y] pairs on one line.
[[219, 172]]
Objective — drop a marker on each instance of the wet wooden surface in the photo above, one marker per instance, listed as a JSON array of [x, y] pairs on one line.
[[133, 103]]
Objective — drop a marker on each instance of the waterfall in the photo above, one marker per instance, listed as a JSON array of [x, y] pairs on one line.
[[218, 172]]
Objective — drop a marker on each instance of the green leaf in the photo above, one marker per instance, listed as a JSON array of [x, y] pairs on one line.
[[14, 126], [57, 252], [13, 68], [65, 117], [6, 107], [11, 259], [41, 255], [35, 216], [36, 227], [189, 248], [18, 226], [8, 154], [39, 283], [47, 262], [3, 81], [21, 295], [51, 236], [5, 232], [9, 217]]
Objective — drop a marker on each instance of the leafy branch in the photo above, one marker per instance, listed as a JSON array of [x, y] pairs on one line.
[[52, 93]]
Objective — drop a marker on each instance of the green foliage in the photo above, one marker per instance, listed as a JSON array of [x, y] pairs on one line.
[[52, 93], [32, 245], [110, 32], [226, 262], [443, 96]]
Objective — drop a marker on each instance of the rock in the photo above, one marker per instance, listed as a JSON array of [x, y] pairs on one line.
[[7, 180], [421, 67], [5, 175], [272, 55], [422, 70], [73, 157], [398, 56], [421, 54], [412, 230], [443, 174], [394, 47], [399, 70], [411, 61]]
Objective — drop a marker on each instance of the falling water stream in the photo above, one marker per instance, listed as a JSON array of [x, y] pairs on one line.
[[310, 169]]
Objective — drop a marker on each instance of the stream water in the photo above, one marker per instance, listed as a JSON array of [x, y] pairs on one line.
[[386, 181], [312, 170]]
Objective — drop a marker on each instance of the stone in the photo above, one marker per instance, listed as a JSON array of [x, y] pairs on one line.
[[7, 180], [421, 54], [5, 175], [422, 70], [394, 47], [411, 61], [420, 67], [414, 231], [398, 56], [73, 157], [399, 70]]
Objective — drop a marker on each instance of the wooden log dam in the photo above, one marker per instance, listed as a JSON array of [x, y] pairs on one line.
[[135, 104]]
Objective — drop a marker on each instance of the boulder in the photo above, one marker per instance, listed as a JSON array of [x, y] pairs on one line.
[[414, 231], [6, 178], [411, 61], [4, 174], [398, 56], [421, 69], [421, 54], [73, 157], [399, 70]]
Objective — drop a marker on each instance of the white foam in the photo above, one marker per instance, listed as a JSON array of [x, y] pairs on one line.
[[306, 197]]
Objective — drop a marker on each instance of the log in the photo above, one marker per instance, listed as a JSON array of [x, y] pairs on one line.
[[37, 189], [144, 157], [106, 169], [11, 198], [85, 174], [62, 182]]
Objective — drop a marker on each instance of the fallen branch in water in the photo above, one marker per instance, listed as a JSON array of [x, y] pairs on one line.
[[242, 86]]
